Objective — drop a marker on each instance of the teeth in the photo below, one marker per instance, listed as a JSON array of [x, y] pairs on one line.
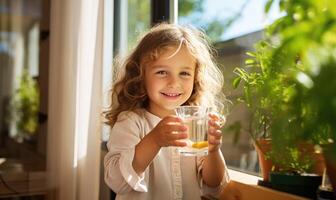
[[172, 95]]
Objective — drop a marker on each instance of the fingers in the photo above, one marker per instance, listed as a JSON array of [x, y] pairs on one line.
[[214, 136], [214, 124], [219, 120], [177, 135], [216, 133], [172, 118], [175, 139], [175, 127], [178, 143], [214, 117], [172, 123], [176, 132], [165, 138], [170, 131]]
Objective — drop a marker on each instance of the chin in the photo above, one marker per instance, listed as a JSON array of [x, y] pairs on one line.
[[171, 107]]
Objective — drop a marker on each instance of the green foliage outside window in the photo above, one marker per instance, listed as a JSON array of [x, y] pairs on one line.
[[25, 106], [289, 80], [138, 20]]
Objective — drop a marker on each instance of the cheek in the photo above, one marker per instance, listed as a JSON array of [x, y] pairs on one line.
[[190, 86], [147, 83], [150, 87]]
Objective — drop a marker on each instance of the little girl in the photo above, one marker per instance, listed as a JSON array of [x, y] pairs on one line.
[[171, 66]]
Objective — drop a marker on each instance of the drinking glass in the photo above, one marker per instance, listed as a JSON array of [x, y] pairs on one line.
[[196, 119], [222, 110]]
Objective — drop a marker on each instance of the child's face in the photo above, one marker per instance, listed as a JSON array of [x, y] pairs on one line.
[[169, 80]]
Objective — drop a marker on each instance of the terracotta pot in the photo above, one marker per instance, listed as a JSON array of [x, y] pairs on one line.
[[263, 146], [317, 157]]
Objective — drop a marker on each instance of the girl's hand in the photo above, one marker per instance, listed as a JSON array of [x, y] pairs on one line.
[[169, 132], [214, 133]]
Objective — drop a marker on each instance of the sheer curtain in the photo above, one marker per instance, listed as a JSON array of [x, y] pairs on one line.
[[75, 99]]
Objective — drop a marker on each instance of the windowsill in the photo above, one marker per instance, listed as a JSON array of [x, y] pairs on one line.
[[244, 187], [243, 177]]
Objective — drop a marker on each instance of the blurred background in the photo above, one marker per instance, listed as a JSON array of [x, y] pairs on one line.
[[28, 85]]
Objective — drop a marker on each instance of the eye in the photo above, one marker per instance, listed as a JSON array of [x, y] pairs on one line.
[[185, 74], [161, 72]]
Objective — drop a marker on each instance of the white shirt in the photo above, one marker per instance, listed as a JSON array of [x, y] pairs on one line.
[[169, 176]]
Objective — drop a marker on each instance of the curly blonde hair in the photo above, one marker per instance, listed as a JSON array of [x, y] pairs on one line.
[[128, 92]]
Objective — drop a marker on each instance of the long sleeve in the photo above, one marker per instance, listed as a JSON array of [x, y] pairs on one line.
[[119, 173], [168, 177], [207, 191]]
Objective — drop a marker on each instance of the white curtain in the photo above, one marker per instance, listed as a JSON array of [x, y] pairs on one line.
[[73, 155]]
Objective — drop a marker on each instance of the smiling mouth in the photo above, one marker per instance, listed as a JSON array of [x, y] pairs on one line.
[[171, 94]]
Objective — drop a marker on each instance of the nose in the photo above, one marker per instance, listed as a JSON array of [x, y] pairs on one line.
[[173, 81]]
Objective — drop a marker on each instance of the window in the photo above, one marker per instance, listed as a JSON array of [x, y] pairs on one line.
[[224, 20], [138, 21], [121, 31], [121, 34], [233, 27]]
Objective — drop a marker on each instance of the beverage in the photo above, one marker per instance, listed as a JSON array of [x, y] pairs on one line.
[[196, 119]]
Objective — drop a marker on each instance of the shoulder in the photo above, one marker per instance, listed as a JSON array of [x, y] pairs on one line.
[[140, 115], [135, 115], [138, 118], [128, 129]]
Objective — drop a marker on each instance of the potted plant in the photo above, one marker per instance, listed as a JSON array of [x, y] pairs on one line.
[[289, 84], [252, 77]]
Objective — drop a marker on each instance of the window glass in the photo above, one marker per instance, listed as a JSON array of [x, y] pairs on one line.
[[124, 31], [138, 20], [226, 19], [233, 26]]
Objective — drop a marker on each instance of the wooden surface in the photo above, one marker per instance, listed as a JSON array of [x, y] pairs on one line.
[[20, 177], [240, 191]]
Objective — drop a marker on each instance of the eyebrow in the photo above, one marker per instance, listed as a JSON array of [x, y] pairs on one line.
[[165, 66], [187, 67]]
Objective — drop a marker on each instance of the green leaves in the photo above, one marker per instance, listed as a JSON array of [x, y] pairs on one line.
[[268, 5], [249, 62], [236, 82], [288, 81], [25, 105]]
